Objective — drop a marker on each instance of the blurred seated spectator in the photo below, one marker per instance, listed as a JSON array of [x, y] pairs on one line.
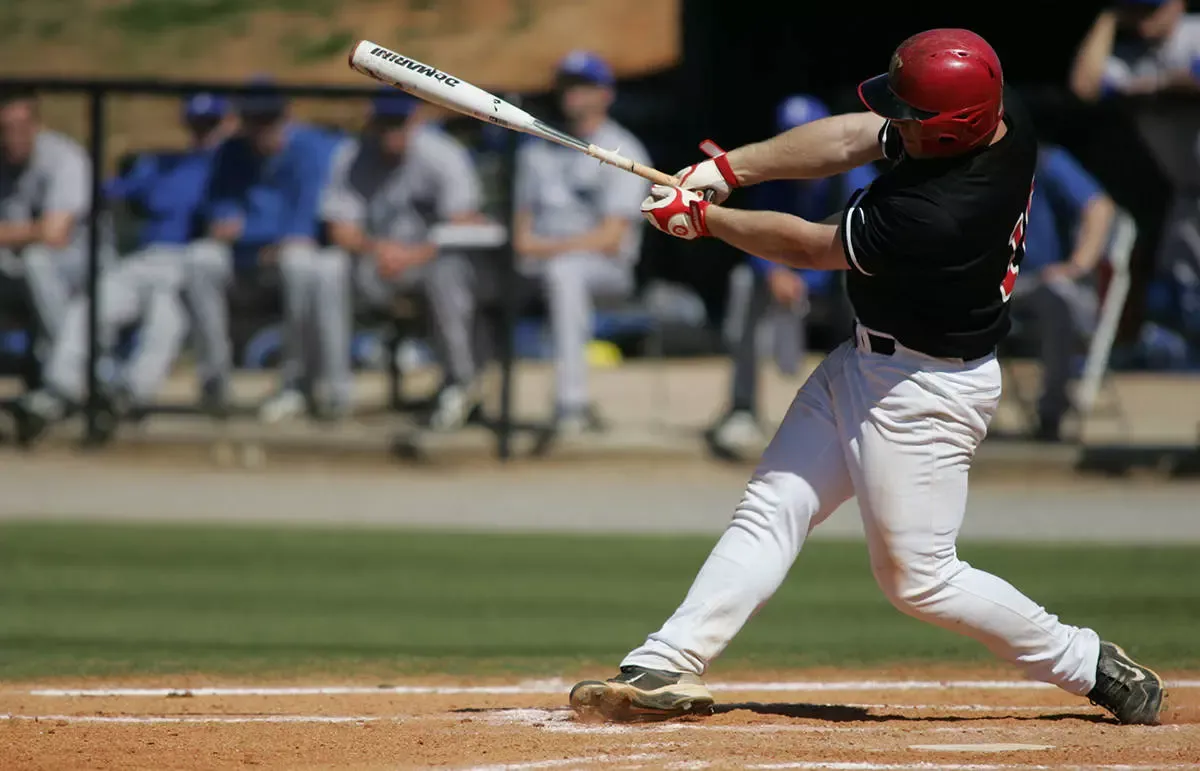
[[577, 233], [45, 197], [1146, 48], [1138, 47], [262, 230], [1067, 233], [779, 297], [387, 190], [165, 190]]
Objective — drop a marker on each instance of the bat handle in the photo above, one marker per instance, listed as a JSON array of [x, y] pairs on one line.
[[614, 158]]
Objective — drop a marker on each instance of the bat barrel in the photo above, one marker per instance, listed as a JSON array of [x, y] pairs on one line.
[[453, 93]]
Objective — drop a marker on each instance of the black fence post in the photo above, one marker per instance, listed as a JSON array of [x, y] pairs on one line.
[[510, 299], [96, 116]]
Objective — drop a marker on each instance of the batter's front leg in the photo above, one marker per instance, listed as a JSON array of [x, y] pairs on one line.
[[801, 479], [909, 437], [799, 482]]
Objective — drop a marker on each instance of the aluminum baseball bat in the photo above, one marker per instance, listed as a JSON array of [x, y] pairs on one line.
[[441, 88]]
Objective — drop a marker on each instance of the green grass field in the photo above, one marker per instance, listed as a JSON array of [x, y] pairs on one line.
[[113, 600]]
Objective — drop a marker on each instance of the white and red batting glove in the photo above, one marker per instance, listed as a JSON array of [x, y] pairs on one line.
[[714, 175], [676, 211]]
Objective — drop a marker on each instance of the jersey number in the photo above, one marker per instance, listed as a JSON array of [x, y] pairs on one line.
[[1016, 246]]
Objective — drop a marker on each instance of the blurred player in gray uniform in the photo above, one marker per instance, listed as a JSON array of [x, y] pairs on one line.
[[575, 233], [386, 191], [165, 190], [45, 195]]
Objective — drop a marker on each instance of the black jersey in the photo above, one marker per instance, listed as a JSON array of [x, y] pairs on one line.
[[934, 245]]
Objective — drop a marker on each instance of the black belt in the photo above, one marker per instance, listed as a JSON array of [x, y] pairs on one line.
[[886, 346]]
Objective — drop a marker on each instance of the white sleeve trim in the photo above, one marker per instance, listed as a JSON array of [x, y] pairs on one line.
[[851, 208]]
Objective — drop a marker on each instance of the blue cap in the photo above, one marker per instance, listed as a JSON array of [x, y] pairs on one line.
[[268, 101], [798, 110], [205, 105], [393, 103], [586, 66]]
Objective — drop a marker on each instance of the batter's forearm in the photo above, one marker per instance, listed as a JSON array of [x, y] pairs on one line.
[[819, 149], [780, 238]]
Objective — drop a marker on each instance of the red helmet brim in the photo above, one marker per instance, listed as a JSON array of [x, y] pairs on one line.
[[877, 94]]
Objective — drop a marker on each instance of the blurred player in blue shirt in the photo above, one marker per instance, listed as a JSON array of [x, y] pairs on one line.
[[779, 296], [261, 208], [165, 190], [1067, 234]]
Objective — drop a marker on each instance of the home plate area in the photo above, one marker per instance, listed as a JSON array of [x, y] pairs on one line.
[[847, 723]]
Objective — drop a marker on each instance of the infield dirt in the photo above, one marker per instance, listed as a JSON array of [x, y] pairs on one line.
[[827, 719]]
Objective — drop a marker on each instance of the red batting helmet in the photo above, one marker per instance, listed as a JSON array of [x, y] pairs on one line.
[[949, 81]]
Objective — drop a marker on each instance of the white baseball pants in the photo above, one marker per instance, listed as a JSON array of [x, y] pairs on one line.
[[898, 432]]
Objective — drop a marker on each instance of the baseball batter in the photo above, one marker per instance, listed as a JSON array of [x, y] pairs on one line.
[[933, 248]]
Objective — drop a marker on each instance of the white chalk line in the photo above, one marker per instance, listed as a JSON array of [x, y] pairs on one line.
[[206, 719], [693, 765], [567, 762], [852, 766], [863, 766], [557, 686], [549, 720]]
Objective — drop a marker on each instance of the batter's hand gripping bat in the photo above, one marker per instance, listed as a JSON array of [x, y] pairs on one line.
[[442, 88]]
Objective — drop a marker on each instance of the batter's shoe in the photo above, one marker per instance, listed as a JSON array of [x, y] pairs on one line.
[[641, 694], [1134, 694]]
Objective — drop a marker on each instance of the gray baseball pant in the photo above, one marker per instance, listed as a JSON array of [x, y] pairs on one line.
[[445, 283], [146, 286], [789, 341], [456, 284], [319, 300], [1064, 314], [51, 277], [305, 274]]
